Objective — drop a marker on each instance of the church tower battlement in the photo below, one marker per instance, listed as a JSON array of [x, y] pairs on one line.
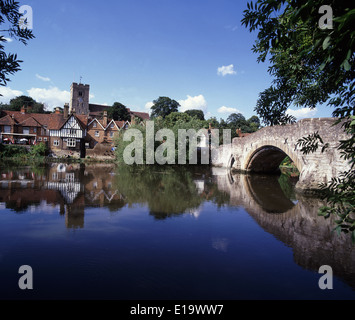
[[79, 98]]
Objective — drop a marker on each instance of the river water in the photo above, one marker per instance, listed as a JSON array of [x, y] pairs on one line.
[[101, 232]]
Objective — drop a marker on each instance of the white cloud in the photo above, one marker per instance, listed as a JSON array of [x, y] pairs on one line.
[[45, 79], [192, 103], [53, 97], [148, 105], [8, 39], [227, 110], [226, 70], [8, 94], [302, 113]]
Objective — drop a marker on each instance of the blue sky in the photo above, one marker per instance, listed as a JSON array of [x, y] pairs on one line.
[[196, 52]]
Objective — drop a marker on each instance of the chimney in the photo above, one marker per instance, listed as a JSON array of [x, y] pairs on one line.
[[105, 119], [23, 110], [66, 111], [133, 119], [57, 110]]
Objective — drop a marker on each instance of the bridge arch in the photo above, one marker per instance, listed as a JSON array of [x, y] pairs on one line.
[[266, 157]]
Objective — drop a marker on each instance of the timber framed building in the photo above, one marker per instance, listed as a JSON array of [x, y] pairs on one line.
[[80, 127]]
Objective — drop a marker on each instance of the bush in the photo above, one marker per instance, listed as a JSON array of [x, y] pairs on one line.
[[39, 150]]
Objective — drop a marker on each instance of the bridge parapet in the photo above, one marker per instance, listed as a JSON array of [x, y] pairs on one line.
[[264, 150]]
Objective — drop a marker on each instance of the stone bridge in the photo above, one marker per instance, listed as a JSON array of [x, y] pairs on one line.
[[264, 150]]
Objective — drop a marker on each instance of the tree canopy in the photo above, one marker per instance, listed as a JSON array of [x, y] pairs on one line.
[[196, 113], [17, 103], [9, 22], [163, 106], [118, 112], [312, 63]]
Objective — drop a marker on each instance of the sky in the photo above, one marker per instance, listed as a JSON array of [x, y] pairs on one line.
[[135, 51]]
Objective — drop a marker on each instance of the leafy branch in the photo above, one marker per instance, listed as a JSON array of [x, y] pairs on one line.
[[311, 143]]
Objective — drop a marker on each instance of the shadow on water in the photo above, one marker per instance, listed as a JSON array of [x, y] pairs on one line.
[[293, 221], [175, 191]]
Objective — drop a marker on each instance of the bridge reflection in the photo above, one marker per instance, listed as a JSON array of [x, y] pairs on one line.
[[291, 218], [296, 223]]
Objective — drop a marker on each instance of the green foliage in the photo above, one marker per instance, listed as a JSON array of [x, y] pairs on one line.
[[155, 188], [118, 112], [237, 121], [310, 66], [9, 18], [311, 143], [17, 103], [9, 151], [196, 113], [175, 117], [39, 150], [163, 106]]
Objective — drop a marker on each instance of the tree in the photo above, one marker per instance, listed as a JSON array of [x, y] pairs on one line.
[[118, 112], [163, 106], [196, 113], [175, 117], [10, 17], [32, 105], [237, 121], [311, 64], [254, 124]]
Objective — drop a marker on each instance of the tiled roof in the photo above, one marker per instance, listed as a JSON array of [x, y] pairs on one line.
[[6, 121], [142, 115], [52, 121], [55, 121], [30, 122], [120, 124]]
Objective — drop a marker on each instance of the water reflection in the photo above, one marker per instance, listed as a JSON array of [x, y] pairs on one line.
[[173, 192], [297, 225]]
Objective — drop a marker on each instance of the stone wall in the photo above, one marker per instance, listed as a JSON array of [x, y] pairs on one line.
[[264, 150]]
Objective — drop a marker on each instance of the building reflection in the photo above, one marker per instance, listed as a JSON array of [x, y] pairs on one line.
[[71, 187], [293, 219]]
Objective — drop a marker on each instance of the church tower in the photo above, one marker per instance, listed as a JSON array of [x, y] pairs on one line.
[[79, 98]]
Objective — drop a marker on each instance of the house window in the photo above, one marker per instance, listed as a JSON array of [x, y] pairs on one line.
[[39, 139], [26, 130], [46, 139], [112, 126], [72, 132], [111, 134], [7, 129], [97, 134], [56, 143], [71, 143], [95, 125], [35, 130]]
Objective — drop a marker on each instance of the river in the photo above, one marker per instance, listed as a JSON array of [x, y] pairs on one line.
[[101, 232]]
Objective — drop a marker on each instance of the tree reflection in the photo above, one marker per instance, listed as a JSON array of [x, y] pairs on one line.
[[168, 191]]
